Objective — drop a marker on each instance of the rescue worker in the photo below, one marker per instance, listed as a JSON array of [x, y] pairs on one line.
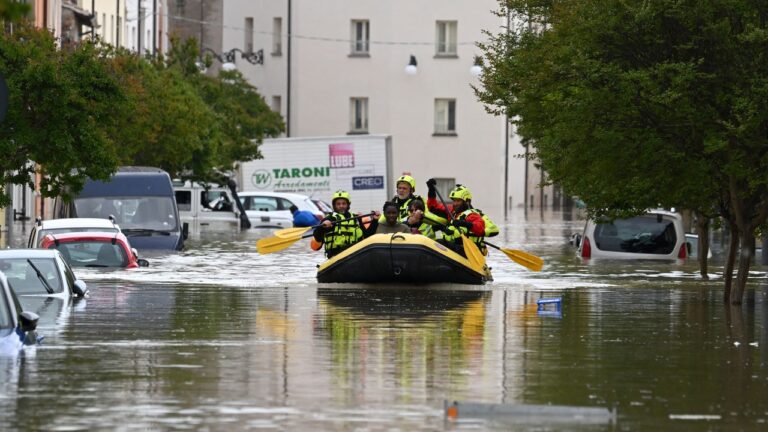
[[416, 220], [392, 222], [466, 220], [406, 188], [341, 229]]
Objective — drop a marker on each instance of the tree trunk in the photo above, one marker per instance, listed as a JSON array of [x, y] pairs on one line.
[[702, 228], [733, 247], [745, 259]]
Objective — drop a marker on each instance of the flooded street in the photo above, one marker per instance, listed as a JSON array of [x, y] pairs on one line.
[[220, 338]]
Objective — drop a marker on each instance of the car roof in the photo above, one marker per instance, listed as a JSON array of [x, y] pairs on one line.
[[273, 194], [28, 253], [77, 223], [87, 235]]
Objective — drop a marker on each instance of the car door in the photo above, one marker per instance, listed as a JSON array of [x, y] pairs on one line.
[[267, 211]]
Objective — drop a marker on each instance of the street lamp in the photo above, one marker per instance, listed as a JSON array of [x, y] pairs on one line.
[[411, 69], [477, 69], [227, 58]]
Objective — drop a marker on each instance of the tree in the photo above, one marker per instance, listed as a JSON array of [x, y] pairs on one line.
[[635, 104], [12, 11], [58, 102]]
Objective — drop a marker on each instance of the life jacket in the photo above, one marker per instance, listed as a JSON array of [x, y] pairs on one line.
[[491, 229], [403, 206], [426, 230], [343, 234], [452, 233]]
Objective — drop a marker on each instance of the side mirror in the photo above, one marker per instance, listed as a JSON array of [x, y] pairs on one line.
[[185, 230], [142, 262], [28, 321], [80, 288]]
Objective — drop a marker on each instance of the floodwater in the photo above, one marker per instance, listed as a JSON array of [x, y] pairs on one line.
[[219, 338]]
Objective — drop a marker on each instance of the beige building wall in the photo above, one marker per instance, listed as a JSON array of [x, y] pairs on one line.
[[324, 76]]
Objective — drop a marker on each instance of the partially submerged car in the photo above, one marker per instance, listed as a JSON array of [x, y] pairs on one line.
[[656, 235], [17, 328], [272, 209], [67, 225], [95, 249], [40, 273]]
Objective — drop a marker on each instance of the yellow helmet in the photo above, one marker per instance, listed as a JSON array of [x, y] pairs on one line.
[[407, 179], [341, 194], [461, 192]]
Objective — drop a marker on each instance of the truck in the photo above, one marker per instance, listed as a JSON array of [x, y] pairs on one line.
[[319, 166]]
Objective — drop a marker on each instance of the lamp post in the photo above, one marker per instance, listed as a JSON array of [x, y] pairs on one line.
[[412, 68], [227, 58]]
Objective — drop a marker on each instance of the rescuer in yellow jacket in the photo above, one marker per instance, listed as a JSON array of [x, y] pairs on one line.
[[341, 229]]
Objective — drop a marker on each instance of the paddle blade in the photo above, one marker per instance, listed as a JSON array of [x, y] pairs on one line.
[[525, 259], [473, 253], [291, 232], [275, 244]]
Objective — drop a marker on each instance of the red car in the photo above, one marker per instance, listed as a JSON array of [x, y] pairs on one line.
[[95, 249]]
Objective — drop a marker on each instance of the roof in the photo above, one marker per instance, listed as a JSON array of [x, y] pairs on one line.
[[272, 194], [27, 253], [93, 236], [77, 223]]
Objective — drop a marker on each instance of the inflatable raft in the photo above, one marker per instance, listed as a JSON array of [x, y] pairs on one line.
[[401, 258]]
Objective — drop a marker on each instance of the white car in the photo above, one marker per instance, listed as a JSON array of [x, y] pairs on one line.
[[272, 209], [656, 235], [211, 209], [68, 225]]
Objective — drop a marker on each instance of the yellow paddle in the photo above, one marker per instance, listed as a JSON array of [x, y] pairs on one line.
[[275, 244], [293, 232], [525, 259]]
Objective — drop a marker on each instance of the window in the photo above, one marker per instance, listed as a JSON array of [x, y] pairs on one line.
[[277, 36], [358, 115], [112, 27], [277, 103], [445, 116], [360, 37], [103, 24], [446, 39], [248, 45], [183, 200]]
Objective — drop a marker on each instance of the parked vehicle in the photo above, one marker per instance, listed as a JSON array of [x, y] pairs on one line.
[[692, 241], [658, 235], [17, 328], [40, 273], [209, 208], [95, 249], [323, 206], [61, 226], [142, 201], [272, 209]]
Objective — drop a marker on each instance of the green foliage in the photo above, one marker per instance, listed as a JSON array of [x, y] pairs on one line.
[[12, 11], [58, 104], [633, 104]]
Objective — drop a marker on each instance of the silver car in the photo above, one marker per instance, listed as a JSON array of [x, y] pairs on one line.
[[40, 273], [272, 209]]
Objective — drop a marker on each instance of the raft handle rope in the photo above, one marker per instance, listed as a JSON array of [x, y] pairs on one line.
[[395, 270]]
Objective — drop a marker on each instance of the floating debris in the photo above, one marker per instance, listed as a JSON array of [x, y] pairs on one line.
[[556, 309], [531, 413], [706, 417]]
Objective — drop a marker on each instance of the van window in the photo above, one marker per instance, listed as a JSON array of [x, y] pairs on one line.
[[184, 200], [216, 201], [149, 212], [641, 234]]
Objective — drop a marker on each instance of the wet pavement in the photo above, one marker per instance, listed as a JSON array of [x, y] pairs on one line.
[[220, 338]]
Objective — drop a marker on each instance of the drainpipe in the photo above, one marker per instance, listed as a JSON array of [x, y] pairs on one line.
[[288, 90], [154, 27], [117, 26]]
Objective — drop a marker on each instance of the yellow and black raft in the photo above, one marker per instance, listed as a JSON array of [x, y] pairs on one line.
[[402, 258]]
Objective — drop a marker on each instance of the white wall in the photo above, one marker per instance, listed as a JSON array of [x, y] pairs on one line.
[[324, 77]]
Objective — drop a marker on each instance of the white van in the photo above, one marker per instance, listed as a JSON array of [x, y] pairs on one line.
[[657, 234], [208, 209]]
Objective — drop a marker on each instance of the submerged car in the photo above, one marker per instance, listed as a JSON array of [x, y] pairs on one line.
[[17, 328], [40, 273], [95, 249], [67, 225], [657, 235], [272, 209]]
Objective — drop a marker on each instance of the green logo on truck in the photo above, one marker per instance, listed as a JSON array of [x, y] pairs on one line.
[[262, 179]]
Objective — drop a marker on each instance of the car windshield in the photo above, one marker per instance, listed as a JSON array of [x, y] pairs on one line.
[[642, 234], [23, 278], [323, 206], [43, 232], [151, 213], [92, 253]]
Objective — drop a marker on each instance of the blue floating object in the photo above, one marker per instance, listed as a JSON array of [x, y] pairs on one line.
[[542, 302]]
